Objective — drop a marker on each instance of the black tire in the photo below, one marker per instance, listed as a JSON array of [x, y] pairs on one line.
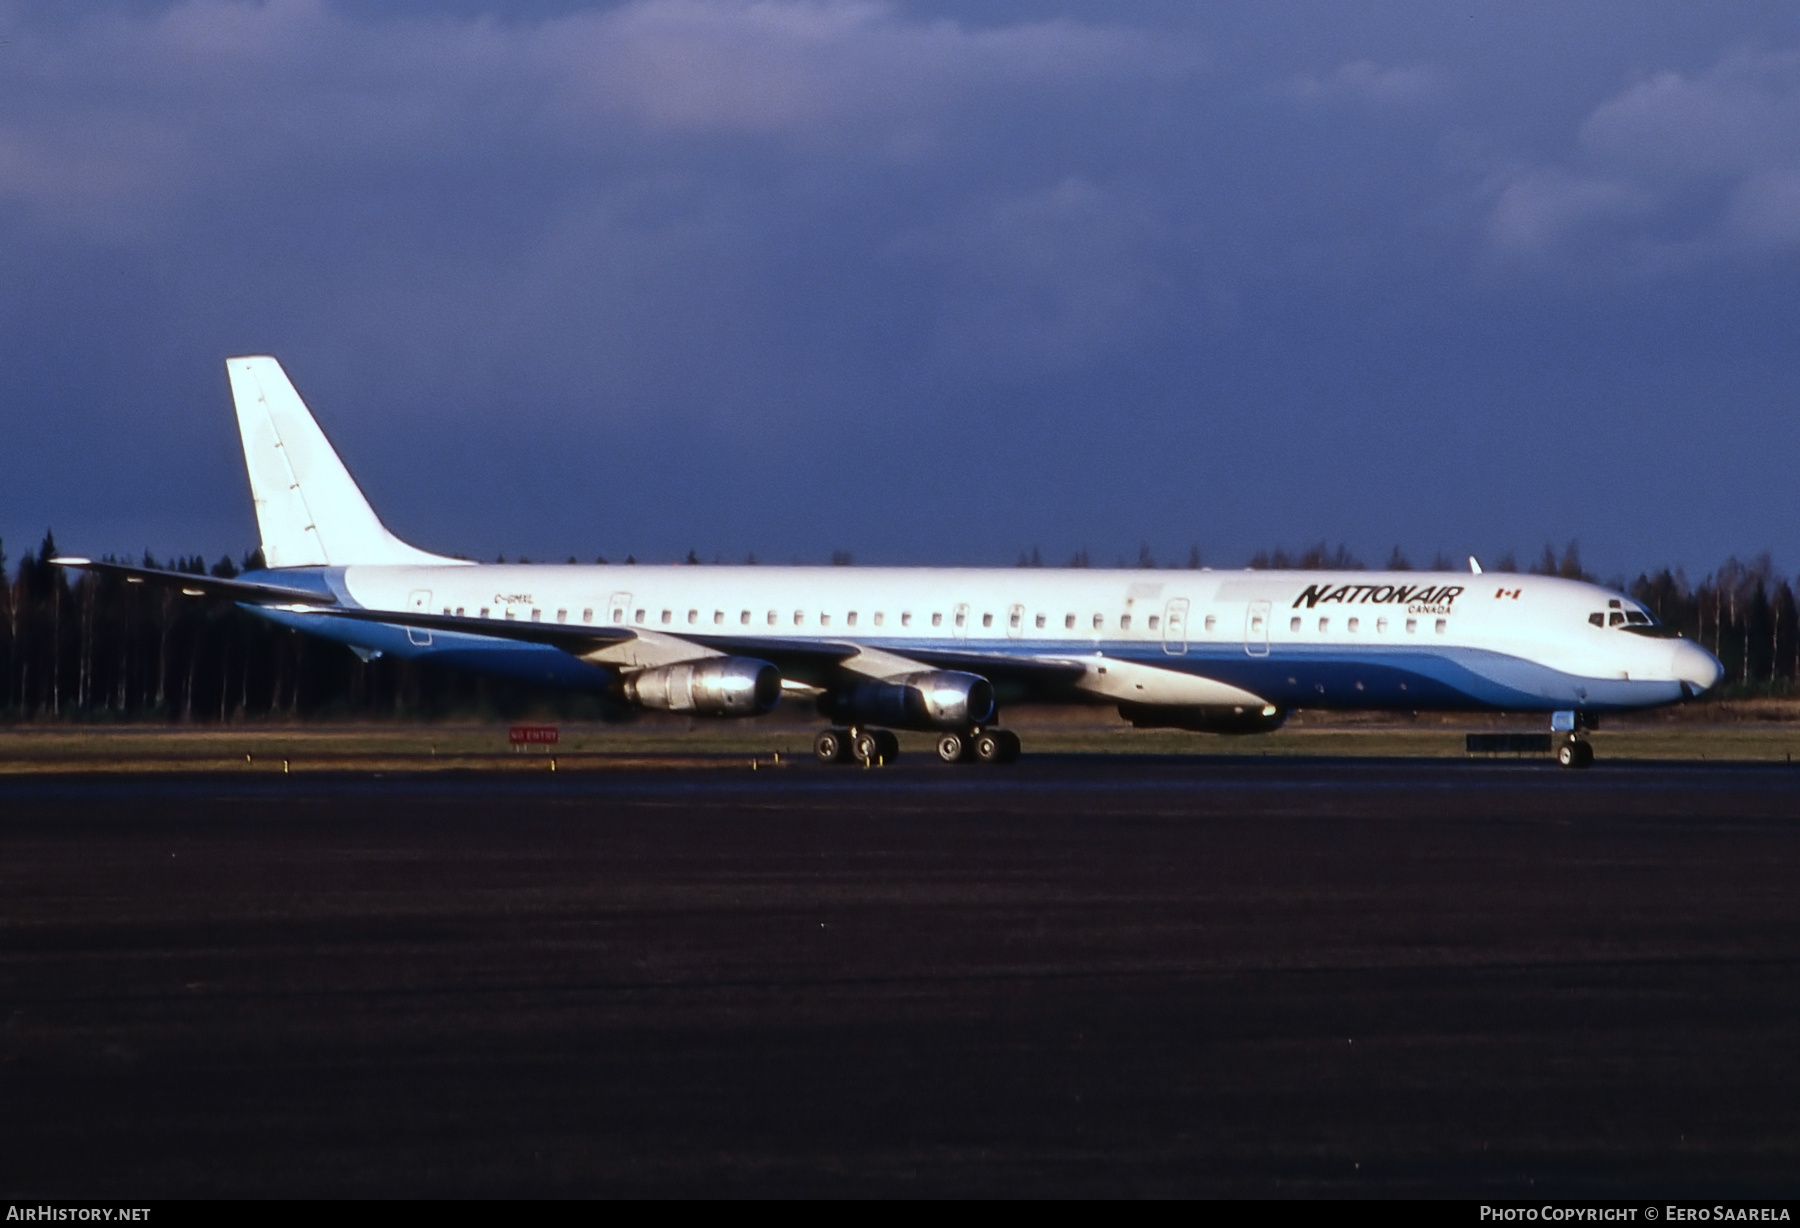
[[1565, 754], [1584, 754], [952, 747], [1009, 745], [1575, 755], [987, 746], [831, 746], [890, 745], [865, 748]]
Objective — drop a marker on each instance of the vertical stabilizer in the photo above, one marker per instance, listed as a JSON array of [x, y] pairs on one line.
[[308, 507]]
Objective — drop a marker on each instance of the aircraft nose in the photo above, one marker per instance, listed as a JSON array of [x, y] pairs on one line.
[[1697, 669]]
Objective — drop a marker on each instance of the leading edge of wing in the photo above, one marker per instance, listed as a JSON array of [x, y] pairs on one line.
[[793, 656]]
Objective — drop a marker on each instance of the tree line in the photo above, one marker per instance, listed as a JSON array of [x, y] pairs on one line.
[[80, 647]]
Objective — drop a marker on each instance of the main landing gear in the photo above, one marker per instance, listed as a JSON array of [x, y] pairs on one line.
[[869, 747], [876, 747], [1575, 753]]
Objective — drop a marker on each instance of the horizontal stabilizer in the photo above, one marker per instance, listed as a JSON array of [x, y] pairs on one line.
[[204, 586]]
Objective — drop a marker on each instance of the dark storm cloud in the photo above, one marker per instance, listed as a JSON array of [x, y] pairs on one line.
[[927, 283]]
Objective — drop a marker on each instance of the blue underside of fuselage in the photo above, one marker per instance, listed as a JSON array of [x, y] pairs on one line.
[[1331, 676]]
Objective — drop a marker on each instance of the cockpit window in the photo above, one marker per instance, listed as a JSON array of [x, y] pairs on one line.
[[1599, 620], [1615, 618], [1637, 618]]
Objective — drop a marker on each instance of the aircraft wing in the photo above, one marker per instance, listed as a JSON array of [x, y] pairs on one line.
[[816, 662]]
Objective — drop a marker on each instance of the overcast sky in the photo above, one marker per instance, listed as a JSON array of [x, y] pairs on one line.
[[925, 282]]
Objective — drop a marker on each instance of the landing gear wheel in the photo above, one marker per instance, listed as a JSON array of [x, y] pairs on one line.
[[865, 748], [890, 744], [988, 746], [1009, 745], [952, 747], [831, 746], [1574, 754]]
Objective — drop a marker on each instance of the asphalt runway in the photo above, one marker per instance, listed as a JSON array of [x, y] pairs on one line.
[[1091, 975]]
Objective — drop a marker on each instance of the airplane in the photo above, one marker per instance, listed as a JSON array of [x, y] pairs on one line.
[[934, 650]]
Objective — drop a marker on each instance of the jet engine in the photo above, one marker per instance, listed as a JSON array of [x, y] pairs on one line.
[[714, 686], [1222, 718], [935, 699]]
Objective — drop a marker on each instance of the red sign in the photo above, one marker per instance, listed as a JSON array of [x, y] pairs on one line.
[[532, 735]]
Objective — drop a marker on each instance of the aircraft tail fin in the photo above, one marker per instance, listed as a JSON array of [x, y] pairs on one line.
[[309, 509]]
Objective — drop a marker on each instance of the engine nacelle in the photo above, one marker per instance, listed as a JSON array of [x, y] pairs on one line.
[[935, 699], [1220, 718], [714, 686]]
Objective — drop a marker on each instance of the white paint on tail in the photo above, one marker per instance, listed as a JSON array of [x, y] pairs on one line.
[[309, 509]]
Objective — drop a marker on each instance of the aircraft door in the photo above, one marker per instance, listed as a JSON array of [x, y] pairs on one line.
[[1256, 629], [1175, 627], [419, 603], [618, 609]]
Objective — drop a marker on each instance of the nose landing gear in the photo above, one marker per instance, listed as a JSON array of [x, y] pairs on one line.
[[1574, 751]]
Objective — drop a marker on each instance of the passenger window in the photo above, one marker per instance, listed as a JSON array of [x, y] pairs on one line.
[[799, 618], [1293, 624], [880, 618], [744, 619], [961, 618], [618, 615], [1412, 625], [1381, 626], [1442, 625], [639, 615], [1013, 620], [772, 618], [850, 618], [987, 620], [1155, 621], [1212, 622], [1041, 620], [537, 616], [1124, 622], [937, 620], [718, 618], [484, 611], [446, 609], [459, 611], [906, 618], [562, 616], [668, 617], [587, 616], [824, 620], [1099, 621], [1324, 624], [693, 617], [1069, 622], [1355, 623], [508, 614], [1615, 619]]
